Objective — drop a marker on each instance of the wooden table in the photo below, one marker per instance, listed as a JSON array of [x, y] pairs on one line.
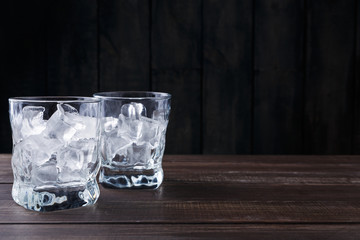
[[210, 197]]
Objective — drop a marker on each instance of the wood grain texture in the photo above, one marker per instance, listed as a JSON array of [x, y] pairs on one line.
[[22, 58], [278, 93], [329, 77], [234, 68], [284, 170], [227, 76], [220, 189], [124, 31], [356, 130], [176, 69], [116, 206], [182, 231], [71, 36], [176, 34]]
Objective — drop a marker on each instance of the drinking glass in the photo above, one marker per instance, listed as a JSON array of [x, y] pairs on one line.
[[133, 129], [55, 148]]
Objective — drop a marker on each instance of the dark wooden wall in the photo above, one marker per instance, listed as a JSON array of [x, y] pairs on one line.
[[247, 77]]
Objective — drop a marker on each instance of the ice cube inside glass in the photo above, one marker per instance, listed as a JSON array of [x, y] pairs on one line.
[[133, 130], [55, 149]]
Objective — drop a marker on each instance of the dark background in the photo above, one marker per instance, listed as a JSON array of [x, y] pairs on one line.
[[247, 77]]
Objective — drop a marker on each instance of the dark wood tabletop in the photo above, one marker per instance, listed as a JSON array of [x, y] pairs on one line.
[[209, 197]]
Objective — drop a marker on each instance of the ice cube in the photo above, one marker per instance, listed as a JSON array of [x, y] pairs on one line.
[[40, 158], [88, 110], [133, 110], [40, 143], [132, 128], [160, 115], [151, 131], [16, 156], [57, 128], [150, 125], [38, 150], [86, 127], [129, 120], [117, 146], [16, 123], [32, 121], [139, 155], [70, 157], [63, 125], [88, 147], [73, 161], [44, 174], [120, 160], [21, 162], [66, 108], [110, 124], [69, 175], [90, 129], [72, 117]]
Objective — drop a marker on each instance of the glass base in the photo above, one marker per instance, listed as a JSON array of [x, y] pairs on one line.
[[141, 179], [51, 198]]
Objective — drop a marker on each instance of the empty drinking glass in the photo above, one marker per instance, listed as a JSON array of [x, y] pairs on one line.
[[133, 128], [55, 148]]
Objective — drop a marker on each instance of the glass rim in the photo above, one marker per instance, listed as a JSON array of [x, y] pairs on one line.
[[126, 95], [55, 99]]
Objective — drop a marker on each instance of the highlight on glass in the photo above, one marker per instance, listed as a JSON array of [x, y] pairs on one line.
[[55, 149], [133, 130]]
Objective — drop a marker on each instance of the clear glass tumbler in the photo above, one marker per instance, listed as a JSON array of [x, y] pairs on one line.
[[133, 129], [55, 150]]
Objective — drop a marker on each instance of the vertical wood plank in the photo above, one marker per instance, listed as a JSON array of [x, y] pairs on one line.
[[329, 80], [278, 93], [176, 68], [124, 45], [22, 58], [72, 47], [227, 76], [356, 123]]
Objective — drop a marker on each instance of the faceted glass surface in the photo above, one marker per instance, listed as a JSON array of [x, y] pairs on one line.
[[133, 138], [55, 148]]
